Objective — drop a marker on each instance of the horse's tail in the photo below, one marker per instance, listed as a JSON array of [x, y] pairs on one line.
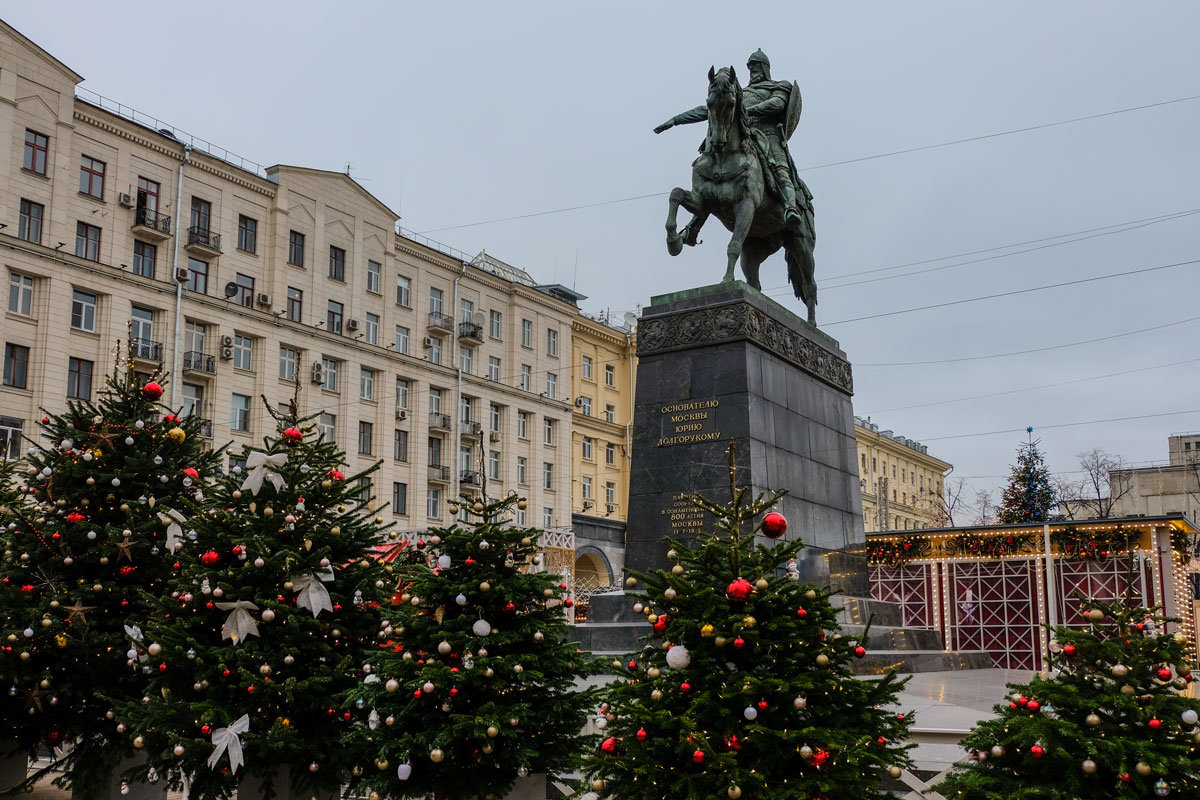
[[801, 269]]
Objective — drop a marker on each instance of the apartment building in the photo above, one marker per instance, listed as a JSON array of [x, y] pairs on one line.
[[902, 485], [240, 281]]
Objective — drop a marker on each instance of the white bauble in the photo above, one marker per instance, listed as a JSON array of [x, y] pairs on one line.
[[750, 713], [481, 627], [678, 657], [444, 563], [404, 771]]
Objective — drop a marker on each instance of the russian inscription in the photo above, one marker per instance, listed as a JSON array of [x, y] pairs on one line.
[[688, 423]]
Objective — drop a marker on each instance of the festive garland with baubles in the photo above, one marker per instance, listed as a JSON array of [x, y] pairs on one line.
[[899, 552], [1076, 545], [973, 544]]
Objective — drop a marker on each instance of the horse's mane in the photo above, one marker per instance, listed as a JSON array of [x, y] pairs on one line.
[[740, 115]]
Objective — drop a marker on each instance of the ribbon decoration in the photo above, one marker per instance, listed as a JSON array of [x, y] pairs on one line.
[[173, 520], [311, 594], [239, 624], [135, 635], [229, 739], [262, 467]]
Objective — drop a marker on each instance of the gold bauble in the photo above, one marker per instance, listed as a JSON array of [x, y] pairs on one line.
[[139, 742], [484, 586], [1141, 768], [749, 621], [822, 659], [436, 755], [521, 504], [381, 764], [597, 785], [719, 641], [706, 630], [653, 672], [356, 771], [325, 484], [493, 731], [1095, 615], [677, 569], [895, 771], [761, 583], [526, 541], [1128, 690], [487, 748], [1092, 719], [657, 695], [733, 792], [811, 594], [630, 582], [478, 507], [653, 618], [177, 434]]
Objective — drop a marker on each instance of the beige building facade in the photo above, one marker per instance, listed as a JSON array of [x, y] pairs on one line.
[[902, 485], [241, 281]]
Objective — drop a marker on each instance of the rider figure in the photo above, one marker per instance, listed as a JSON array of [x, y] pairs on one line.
[[773, 108]]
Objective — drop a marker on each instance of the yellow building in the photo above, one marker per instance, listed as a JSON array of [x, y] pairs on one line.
[[604, 365], [902, 485]]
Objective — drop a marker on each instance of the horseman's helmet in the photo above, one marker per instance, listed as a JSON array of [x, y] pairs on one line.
[[760, 57]]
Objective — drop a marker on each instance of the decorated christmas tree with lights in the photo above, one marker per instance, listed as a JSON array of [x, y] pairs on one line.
[[106, 498], [478, 684], [744, 687], [1108, 721], [1029, 495], [272, 617]]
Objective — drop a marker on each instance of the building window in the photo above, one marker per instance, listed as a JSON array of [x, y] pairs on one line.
[[296, 248], [551, 342], [497, 325], [366, 384], [201, 215], [610, 454], [36, 148], [29, 223], [287, 363], [520, 516], [435, 300], [435, 350], [147, 198], [327, 424], [10, 437], [333, 317], [83, 311], [433, 503], [79, 379], [399, 498], [141, 332], [193, 337], [295, 303], [586, 449], [434, 453], [337, 263], [144, 257], [610, 375], [402, 335], [247, 234], [435, 401], [329, 373], [20, 294], [547, 516], [585, 406], [401, 393], [610, 412], [586, 486], [197, 276], [373, 271], [548, 431], [240, 418], [365, 430], [400, 445], [551, 385], [91, 177], [493, 368], [243, 352], [465, 360], [245, 290], [403, 291], [522, 425], [493, 417], [16, 365], [587, 368], [521, 470], [494, 464], [526, 377], [363, 495], [371, 331], [526, 333], [87, 241]]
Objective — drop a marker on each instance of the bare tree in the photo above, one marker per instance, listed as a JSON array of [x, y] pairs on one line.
[[1093, 495], [985, 509]]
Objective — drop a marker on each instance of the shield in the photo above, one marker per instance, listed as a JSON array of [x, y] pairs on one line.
[[791, 117]]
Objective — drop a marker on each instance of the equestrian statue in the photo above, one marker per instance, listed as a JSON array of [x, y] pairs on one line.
[[746, 178]]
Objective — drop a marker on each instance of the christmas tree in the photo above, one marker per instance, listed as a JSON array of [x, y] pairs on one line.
[[1108, 721], [478, 686], [106, 497], [744, 685], [271, 618], [1029, 495]]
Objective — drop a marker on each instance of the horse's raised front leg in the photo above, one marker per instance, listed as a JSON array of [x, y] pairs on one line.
[[679, 197], [743, 216], [691, 231]]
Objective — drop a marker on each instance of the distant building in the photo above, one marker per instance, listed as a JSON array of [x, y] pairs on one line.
[[902, 485], [1170, 489]]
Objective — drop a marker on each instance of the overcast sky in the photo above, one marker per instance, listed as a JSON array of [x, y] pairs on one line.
[[459, 113]]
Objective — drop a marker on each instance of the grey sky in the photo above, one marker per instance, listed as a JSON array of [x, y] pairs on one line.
[[454, 113]]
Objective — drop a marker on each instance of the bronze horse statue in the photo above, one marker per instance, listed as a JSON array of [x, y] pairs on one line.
[[729, 181]]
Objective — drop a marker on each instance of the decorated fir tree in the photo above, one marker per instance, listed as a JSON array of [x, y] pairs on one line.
[[108, 492], [1029, 495], [478, 685], [744, 687], [271, 618], [1108, 721]]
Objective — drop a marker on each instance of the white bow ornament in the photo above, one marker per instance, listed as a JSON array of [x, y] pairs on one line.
[[172, 519], [311, 594], [263, 467], [239, 624], [228, 739]]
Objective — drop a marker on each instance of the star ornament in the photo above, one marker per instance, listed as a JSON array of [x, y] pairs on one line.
[[78, 611], [125, 545]]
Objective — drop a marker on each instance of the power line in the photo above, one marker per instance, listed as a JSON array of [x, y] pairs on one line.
[[859, 159], [1013, 292], [1058, 425]]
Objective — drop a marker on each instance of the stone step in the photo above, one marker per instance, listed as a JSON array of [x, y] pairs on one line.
[[905, 661], [887, 637], [860, 610]]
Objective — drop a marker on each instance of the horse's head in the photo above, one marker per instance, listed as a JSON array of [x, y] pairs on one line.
[[724, 107]]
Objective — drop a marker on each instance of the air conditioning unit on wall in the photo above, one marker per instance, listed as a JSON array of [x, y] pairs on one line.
[[318, 372]]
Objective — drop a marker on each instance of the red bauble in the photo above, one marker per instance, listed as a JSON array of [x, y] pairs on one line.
[[126, 571], [397, 599], [75, 516], [739, 643], [191, 472], [800, 612], [292, 435], [609, 745], [206, 729], [685, 687], [1155, 724], [641, 734], [1164, 674], [660, 624], [698, 756], [739, 589], [152, 390], [1037, 751], [860, 651], [211, 557], [774, 524], [568, 602], [1068, 650], [1034, 705], [1123, 777], [336, 475]]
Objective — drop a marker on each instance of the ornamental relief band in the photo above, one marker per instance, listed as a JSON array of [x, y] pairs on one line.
[[683, 515], [688, 423]]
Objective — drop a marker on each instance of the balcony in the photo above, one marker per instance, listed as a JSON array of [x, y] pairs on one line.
[[470, 334], [471, 430], [470, 478], [440, 322], [439, 474], [194, 361], [146, 350], [205, 431], [439, 421], [151, 224], [204, 241]]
